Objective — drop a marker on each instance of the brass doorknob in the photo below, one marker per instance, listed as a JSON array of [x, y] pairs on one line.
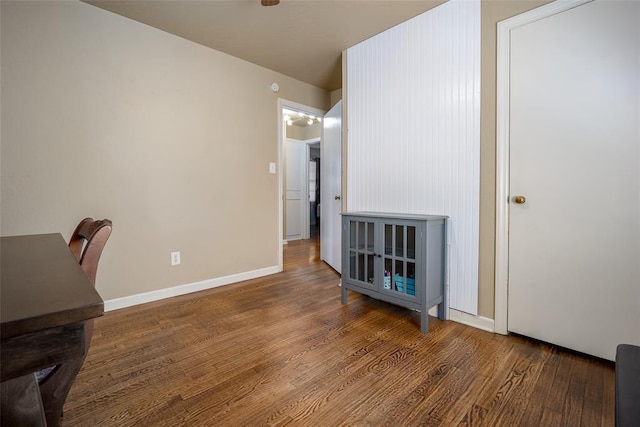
[[519, 200], [336, 198]]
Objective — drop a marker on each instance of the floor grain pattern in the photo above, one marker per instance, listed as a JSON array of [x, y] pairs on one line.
[[282, 350]]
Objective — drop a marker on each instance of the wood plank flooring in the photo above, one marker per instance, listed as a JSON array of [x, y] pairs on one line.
[[282, 350]]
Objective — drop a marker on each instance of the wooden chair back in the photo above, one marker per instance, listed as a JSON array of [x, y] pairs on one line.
[[87, 242]]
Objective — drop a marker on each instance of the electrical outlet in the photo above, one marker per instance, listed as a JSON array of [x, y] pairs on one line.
[[272, 167], [175, 258]]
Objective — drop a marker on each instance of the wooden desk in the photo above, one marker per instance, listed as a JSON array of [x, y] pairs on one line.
[[44, 299]]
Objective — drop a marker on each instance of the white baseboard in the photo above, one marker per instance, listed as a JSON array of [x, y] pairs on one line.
[[174, 291], [479, 322]]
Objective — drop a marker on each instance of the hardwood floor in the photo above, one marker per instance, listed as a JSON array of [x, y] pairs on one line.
[[283, 350]]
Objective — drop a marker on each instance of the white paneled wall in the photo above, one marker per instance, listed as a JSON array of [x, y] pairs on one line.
[[413, 129]]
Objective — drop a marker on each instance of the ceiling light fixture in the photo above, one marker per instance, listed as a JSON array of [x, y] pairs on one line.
[[299, 118]]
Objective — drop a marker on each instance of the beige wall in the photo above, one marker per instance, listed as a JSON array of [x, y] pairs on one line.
[[492, 12], [106, 117], [336, 96], [304, 132], [295, 132]]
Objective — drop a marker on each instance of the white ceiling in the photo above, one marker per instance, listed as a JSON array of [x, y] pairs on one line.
[[303, 39]]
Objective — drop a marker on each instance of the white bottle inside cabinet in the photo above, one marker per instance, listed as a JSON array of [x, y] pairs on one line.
[[398, 258]]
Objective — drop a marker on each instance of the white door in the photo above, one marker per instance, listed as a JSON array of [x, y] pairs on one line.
[[574, 244], [295, 185], [331, 187]]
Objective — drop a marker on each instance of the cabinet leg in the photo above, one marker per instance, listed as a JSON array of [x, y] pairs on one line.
[[441, 311], [424, 321]]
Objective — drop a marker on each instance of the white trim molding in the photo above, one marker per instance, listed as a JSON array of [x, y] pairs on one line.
[[475, 321], [502, 149], [174, 291], [478, 322]]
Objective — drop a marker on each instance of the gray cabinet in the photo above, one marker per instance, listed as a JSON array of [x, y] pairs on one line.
[[396, 258]]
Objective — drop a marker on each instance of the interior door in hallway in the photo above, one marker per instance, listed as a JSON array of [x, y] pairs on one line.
[[331, 187], [574, 236], [295, 182]]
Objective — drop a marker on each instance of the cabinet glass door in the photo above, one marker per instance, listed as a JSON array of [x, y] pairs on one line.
[[361, 251], [400, 259]]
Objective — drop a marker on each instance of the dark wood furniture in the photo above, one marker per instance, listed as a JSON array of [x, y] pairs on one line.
[[86, 244], [46, 297], [627, 385]]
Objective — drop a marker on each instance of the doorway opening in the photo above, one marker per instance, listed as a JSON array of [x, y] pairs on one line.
[[300, 129]]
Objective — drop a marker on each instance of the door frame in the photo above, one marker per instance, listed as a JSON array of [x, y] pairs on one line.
[[282, 137], [503, 73]]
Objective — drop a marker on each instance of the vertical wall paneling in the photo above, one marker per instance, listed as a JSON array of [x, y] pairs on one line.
[[413, 137]]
